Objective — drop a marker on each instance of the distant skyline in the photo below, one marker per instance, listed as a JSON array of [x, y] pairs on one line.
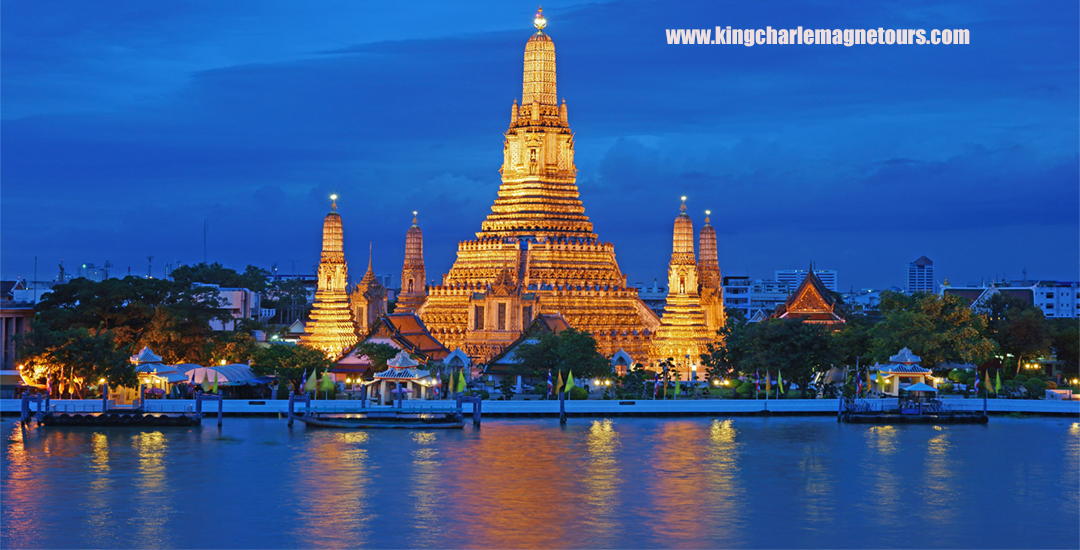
[[126, 125]]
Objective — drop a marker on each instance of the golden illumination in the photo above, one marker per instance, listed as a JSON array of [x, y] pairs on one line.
[[539, 22], [536, 253], [331, 328]]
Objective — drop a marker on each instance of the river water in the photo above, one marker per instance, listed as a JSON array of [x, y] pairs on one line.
[[784, 482]]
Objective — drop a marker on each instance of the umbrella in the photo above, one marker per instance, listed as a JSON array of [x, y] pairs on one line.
[[156, 391], [919, 387]]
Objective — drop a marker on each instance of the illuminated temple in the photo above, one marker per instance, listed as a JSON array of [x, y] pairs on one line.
[[536, 252], [331, 327], [685, 329]]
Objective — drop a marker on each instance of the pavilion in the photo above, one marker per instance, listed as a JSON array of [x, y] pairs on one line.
[[902, 372], [402, 374]]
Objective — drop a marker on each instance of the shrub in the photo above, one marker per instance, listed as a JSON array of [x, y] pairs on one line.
[[745, 389], [578, 394], [945, 387], [1020, 378], [1036, 388], [1051, 385], [283, 388]]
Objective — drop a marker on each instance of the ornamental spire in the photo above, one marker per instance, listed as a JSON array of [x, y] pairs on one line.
[[333, 202], [539, 22]]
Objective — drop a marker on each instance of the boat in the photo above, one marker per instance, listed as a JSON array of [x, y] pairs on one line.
[[450, 422]]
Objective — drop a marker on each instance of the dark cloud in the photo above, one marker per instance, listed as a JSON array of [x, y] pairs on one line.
[[126, 127]]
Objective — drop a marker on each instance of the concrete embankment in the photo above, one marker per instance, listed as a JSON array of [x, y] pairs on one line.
[[588, 408]]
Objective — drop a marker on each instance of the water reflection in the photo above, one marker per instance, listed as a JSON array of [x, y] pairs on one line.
[[151, 490], [424, 490], [99, 512], [332, 490], [602, 478], [938, 487], [722, 472], [676, 482]]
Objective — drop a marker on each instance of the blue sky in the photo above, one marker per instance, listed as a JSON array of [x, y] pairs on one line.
[[124, 125]]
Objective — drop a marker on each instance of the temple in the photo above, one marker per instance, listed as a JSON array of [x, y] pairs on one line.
[[683, 332], [412, 294], [709, 279], [536, 252], [331, 328], [368, 301], [810, 303]]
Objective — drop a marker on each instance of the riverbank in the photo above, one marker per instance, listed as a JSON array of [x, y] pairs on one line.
[[592, 407]]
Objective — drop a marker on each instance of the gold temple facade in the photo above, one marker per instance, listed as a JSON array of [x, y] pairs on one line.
[[684, 328], [331, 327], [412, 294], [536, 252]]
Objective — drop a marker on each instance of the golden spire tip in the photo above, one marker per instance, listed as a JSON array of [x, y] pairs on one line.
[[539, 22], [683, 207], [333, 202]]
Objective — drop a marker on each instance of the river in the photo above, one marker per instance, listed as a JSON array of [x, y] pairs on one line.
[[745, 482]]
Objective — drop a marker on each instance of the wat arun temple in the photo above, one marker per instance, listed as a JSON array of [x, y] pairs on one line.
[[536, 254]]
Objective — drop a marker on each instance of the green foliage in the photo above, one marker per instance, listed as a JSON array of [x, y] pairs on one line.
[[635, 384], [1051, 385], [568, 350], [1065, 343], [289, 363], [506, 386], [1019, 328], [798, 349], [1021, 378], [958, 375], [946, 387], [74, 353], [1036, 388], [853, 340], [378, 353], [939, 329], [253, 278], [483, 394], [745, 389], [288, 297], [283, 389], [722, 359], [578, 393]]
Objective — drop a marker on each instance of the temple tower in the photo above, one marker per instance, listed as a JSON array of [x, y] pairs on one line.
[[536, 252], [368, 300], [710, 284], [683, 333], [331, 327], [412, 294]]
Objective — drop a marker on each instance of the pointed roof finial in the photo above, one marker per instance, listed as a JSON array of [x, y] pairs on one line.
[[707, 214], [333, 202], [539, 22], [369, 256], [414, 217], [683, 207]]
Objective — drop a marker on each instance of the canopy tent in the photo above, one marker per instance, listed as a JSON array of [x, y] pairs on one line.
[[227, 375], [919, 387]]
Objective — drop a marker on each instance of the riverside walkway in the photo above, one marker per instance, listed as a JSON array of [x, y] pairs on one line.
[[605, 407]]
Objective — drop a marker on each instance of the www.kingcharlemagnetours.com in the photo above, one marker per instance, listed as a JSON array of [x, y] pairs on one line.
[[834, 37]]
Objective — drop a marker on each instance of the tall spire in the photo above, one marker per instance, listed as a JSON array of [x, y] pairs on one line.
[[412, 272], [683, 236], [707, 259], [333, 246], [539, 81], [369, 257], [331, 328]]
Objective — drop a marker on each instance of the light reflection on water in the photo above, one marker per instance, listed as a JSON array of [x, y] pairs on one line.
[[603, 483]]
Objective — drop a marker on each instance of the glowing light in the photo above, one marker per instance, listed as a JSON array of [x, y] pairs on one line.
[[333, 197], [102, 380], [539, 22]]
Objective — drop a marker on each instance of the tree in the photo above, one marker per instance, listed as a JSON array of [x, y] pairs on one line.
[[799, 349], [289, 363], [289, 299], [853, 341], [568, 350], [722, 358], [253, 278], [1065, 343], [75, 355], [1019, 328], [377, 353], [939, 329], [506, 387]]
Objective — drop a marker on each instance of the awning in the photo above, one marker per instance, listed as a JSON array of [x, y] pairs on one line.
[[919, 387]]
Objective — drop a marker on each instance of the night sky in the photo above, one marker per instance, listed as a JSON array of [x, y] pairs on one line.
[[125, 125]]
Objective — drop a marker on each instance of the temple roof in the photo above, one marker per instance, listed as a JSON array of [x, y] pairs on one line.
[[811, 302], [409, 333]]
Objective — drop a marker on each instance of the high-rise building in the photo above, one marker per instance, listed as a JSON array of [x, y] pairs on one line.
[[536, 252], [331, 327], [793, 277], [920, 276], [683, 333]]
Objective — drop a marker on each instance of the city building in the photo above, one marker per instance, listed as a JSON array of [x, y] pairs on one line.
[[755, 298], [536, 252], [920, 276], [1056, 299], [241, 303], [683, 334], [331, 328], [792, 277], [14, 321], [654, 296]]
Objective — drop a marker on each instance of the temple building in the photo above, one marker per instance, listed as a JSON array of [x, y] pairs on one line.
[[811, 303], [368, 301], [709, 280], [331, 327], [412, 294], [536, 252], [683, 332]]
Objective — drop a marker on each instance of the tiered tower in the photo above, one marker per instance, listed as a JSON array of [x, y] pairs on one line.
[[368, 300], [412, 294], [683, 331], [331, 327], [536, 252], [709, 280]]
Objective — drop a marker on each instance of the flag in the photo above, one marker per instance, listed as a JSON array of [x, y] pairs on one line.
[[569, 381], [976, 384], [881, 381], [768, 383], [677, 387], [997, 383], [327, 382], [309, 385], [205, 381], [461, 381], [656, 386], [757, 382], [48, 385], [559, 384], [868, 384], [780, 381], [303, 377], [214, 388], [551, 388], [858, 384], [988, 384]]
